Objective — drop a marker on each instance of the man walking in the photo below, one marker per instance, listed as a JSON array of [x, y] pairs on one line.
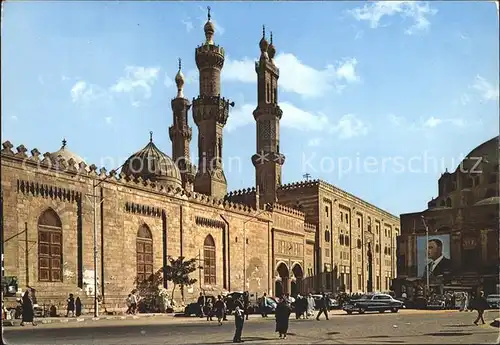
[[323, 306], [239, 319], [480, 304]]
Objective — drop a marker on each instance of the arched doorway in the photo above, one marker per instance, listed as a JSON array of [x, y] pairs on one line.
[[281, 285], [49, 247], [296, 284], [144, 253]]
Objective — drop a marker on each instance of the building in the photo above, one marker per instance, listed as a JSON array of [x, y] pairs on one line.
[[464, 216], [274, 238]]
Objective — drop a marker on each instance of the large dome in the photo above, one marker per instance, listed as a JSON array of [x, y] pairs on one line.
[[486, 153], [66, 154], [151, 163]]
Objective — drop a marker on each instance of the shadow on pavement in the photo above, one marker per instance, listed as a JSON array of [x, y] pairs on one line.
[[459, 326], [447, 334], [245, 339]]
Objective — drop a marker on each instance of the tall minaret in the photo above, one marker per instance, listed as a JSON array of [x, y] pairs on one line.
[[268, 159], [180, 133], [210, 113]]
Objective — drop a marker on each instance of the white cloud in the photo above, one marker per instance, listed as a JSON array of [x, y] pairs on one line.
[[13, 117], [65, 78], [418, 12], [137, 81], [188, 24], [348, 126], [425, 123], [108, 119], [168, 82], [315, 142], [296, 76], [464, 99], [82, 92], [486, 89]]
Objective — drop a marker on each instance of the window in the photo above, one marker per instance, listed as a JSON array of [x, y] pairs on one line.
[[346, 241], [369, 224], [359, 244], [359, 282], [341, 217], [209, 260], [341, 239], [347, 218], [448, 202], [326, 211], [49, 247], [144, 253], [327, 236], [378, 283], [359, 222], [377, 248]]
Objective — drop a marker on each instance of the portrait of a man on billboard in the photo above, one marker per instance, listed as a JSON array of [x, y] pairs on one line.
[[435, 256]]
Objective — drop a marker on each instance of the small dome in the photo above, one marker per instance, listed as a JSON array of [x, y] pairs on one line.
[[67, 154], [151, 163], [209, 29], [489, 201], [179, 81]]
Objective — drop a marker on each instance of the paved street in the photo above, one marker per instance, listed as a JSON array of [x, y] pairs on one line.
[[406, 327]]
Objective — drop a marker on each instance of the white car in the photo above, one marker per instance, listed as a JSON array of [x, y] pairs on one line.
[[493, 300]]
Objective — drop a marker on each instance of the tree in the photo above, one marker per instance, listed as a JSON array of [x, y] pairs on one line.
[[178, 271]]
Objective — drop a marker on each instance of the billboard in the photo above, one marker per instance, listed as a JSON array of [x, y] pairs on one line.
[[433, 256]]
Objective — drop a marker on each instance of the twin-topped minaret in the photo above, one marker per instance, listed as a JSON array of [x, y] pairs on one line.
[[210, 114], [268, 159]]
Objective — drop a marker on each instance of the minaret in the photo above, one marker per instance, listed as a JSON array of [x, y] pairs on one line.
[[180, 133], [268, 159], [210, 113]]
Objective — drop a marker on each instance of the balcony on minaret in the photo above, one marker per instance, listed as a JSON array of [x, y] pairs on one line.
[[211, 108]]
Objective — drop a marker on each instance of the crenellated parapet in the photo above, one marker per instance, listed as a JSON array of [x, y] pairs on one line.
[[243, 196], [308, 227], [299, 185], [286, 210]]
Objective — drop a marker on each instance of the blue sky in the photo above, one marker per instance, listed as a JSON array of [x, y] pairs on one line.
[[379, 86]]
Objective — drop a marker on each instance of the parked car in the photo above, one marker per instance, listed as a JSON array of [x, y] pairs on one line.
[[493, 301], [194, 308], [231, 298], [436, 302], [375, 302], [271, 305]]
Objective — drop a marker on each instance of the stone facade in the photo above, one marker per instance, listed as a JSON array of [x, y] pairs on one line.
[[272, 238], [466, 209]]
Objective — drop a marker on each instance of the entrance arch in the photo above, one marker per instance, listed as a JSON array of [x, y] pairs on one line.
[[296, 285], [281, 285]]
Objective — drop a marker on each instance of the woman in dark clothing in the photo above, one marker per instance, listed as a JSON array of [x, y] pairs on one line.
[[480, 304], [282, 317], [78, 306], [219, 309], [28, 312], [71, 305]]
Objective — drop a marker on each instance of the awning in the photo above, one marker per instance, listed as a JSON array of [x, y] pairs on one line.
[[457, 287]]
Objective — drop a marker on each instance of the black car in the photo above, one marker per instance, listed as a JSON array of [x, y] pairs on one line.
[[375, 302], [194, 308]]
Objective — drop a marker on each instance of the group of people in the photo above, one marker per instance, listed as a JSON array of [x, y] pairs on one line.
[[132, 302], [74, 306]]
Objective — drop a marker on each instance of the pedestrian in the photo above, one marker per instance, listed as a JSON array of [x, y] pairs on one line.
[[129, 304], [78, 306], [480, 304], [264, 305], [28, 313], [239, 319], [283, 312], [219, 309], [298, 307], [246, 303], [310, 306], [209, 309], [323, 306], [201, 304], [133, 302], [71, 305]]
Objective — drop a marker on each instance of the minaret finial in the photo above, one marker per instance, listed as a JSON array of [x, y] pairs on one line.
[[64, 142], [180, 64], [150, 136], [271, 41], [263, 31], [209, 16]]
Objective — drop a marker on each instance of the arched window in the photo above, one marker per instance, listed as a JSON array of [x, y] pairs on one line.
[[346, 241], [209, 260], [448, 202], [359, 244], [341, 239], [49, 247], [144, 253], [377, 248], [442, 203], [327, 236]]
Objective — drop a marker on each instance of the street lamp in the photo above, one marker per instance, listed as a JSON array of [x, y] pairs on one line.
[[427, 244], [245, 243], [94, 207]]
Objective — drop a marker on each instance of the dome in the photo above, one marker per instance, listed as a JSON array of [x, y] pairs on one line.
[[209, 29], [150, 163], [67, 154], [487, 152], [179, 81]]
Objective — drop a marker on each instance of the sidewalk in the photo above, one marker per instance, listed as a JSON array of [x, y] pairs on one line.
[[86, 318]]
